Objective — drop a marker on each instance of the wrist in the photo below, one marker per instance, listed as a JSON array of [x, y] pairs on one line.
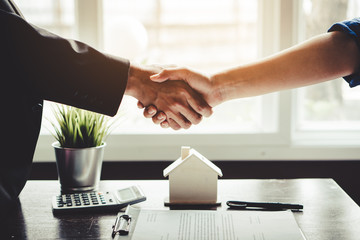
[[139, 84], [130, 86], [216, 96], [134, 81]]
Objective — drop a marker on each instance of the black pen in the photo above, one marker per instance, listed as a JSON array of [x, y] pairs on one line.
[[263, 205]]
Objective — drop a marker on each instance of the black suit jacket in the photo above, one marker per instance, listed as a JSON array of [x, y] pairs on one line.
[[36, 65]]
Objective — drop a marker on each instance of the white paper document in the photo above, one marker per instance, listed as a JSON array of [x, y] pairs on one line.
[[215, 225]]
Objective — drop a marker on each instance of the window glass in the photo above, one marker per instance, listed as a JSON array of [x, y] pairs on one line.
[[332, 105], [208, 35], [56, 16]]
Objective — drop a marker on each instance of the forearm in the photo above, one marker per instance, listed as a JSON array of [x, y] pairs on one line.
[[323, 58]]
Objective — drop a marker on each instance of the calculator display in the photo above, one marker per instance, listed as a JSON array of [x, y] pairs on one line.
[[125, 194]]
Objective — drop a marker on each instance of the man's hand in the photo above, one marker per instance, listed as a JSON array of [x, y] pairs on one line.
[[199, 82], [202, 83], [180, 104]]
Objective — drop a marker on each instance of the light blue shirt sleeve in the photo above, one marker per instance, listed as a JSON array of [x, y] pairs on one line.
[[352, 28]]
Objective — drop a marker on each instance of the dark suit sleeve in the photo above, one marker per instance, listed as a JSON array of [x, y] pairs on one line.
[[36, 65], [65, 71]]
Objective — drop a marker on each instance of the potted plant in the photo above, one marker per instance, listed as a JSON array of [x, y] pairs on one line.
[[79, 149]]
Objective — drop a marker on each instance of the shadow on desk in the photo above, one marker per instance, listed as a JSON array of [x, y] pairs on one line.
[[345, 173], [7, 225]]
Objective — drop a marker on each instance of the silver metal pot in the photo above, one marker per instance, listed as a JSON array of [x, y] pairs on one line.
[[79, 169]]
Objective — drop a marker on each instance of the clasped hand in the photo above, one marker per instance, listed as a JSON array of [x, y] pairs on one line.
[[178, 103], [182, 97]]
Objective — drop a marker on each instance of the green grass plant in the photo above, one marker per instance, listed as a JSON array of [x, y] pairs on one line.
[[78, 128]]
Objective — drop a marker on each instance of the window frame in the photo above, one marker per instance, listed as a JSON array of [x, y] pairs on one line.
[[277, 18]]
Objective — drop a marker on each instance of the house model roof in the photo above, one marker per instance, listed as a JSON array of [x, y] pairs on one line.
[[186, 154]]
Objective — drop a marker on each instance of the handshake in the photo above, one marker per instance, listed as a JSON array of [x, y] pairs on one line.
[[179, 97], [172, 97]]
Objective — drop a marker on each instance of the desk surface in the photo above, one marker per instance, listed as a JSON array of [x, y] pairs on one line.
[[329, 213]]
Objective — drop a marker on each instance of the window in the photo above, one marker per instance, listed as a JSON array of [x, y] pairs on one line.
[[210, 35], [55, 16], [327, 113], [330, 106]]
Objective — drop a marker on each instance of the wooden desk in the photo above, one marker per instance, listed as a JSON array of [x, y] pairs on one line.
[[328, 211]]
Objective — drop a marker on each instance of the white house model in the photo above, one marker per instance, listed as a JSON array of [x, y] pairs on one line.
[[192, 179]]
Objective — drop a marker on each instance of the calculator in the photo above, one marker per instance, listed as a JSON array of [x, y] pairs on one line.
[[97, 200]]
